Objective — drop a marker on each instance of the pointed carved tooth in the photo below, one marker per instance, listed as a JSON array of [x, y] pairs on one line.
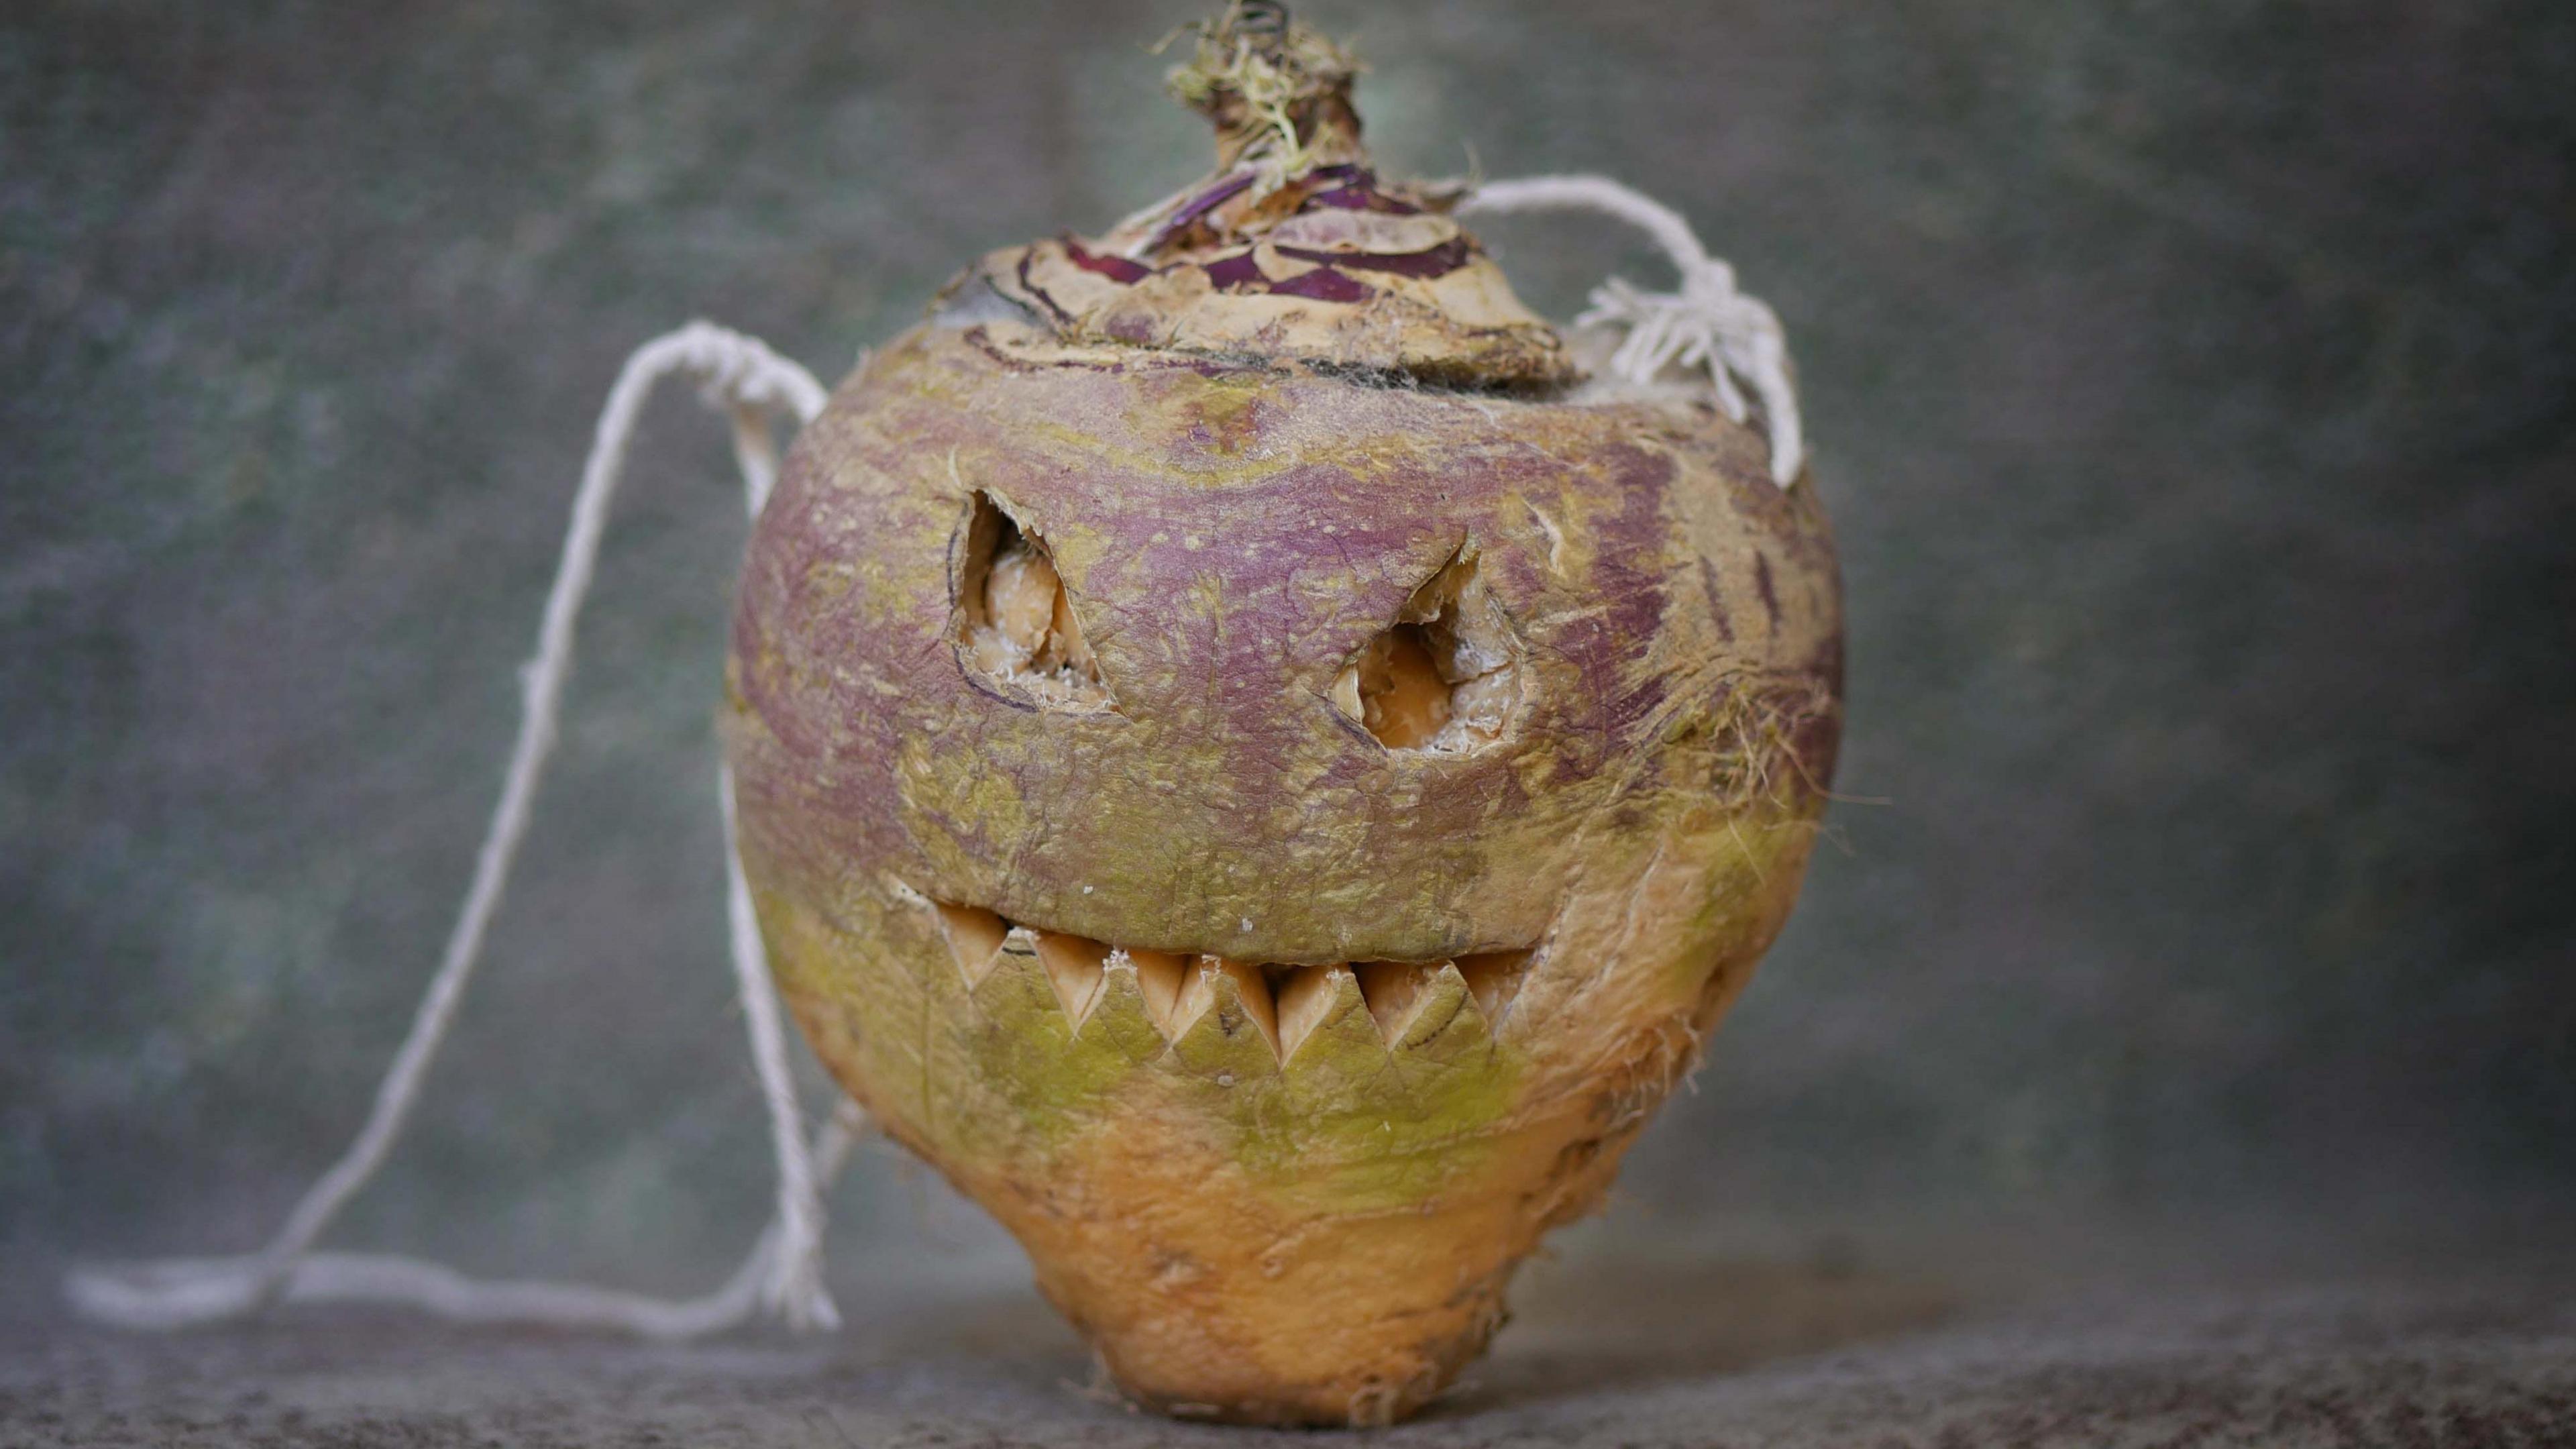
[[1244, 981], [1119, 1020], [1017, 994], [1224, 1025], [1324, 1023], [1389, 988], [1305, 996], [1443, 1021], [1163, 976], [974, 935], [1073, 966], [1495, 977]]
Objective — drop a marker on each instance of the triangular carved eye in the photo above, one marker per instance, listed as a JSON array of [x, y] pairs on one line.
[[1018, 625], [1445, 677]]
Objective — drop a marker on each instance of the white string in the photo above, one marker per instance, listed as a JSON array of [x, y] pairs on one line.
[[178, 1292], [1708, 322], [794, 1289], [783, 1272]]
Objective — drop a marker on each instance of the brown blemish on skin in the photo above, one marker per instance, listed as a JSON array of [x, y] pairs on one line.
[[1229, 418], [1039, 294], [1717, 615], [980, 338]]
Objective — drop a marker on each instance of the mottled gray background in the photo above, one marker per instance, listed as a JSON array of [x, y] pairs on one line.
[[2191, 385]]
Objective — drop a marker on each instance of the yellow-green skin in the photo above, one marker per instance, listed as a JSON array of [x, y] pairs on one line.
[[1325, 1240]]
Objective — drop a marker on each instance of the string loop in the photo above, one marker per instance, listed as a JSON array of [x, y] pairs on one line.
[[757, 388]]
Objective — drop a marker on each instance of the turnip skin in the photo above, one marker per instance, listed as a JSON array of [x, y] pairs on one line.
[[1326, 1241]]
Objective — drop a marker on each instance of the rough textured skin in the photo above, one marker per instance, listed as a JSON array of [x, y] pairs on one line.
[[1326, 1240], [1462, 322]]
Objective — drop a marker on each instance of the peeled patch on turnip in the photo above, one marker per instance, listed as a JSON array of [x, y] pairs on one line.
[[1306, 759]]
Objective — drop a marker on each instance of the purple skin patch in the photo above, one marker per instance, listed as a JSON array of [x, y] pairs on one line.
[[1237, 273], [1232, 693], [1240, 273], [1324, 285], [1430, 262], [1362, 198], [1116, 269], [1357, 193], [1198, 206]]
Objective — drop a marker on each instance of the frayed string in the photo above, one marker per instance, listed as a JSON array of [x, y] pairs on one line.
[[1706, 323]]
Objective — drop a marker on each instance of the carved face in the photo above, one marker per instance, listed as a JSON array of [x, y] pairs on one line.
[[1269, 838]]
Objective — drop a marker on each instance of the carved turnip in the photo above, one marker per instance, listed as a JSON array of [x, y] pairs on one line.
[[1262, 766]]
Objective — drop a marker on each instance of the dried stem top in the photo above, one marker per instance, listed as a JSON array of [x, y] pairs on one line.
[[1278, 91]]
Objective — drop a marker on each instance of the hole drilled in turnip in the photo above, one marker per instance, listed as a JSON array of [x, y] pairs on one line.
[[1019, 624]]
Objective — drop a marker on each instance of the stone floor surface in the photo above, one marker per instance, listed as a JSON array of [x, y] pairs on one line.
[[1744, 1355]]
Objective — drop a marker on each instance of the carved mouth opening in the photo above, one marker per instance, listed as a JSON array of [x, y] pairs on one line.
[[1410, 1003]]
